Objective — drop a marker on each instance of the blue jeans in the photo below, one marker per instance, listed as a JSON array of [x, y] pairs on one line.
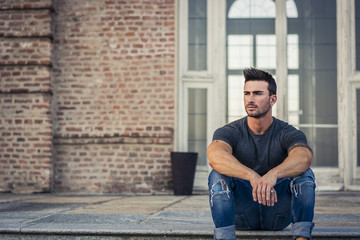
[[233, 207]]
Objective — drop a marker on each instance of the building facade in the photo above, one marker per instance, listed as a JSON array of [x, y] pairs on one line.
[[95, 94]]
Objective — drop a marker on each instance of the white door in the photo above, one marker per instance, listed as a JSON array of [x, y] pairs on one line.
[[217, 39]]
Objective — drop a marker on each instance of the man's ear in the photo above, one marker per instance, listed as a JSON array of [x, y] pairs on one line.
[[273, 99]]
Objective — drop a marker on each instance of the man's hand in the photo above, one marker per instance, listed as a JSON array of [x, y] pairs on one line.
[[263, 188]]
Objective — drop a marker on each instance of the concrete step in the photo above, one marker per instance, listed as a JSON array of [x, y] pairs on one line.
[[348, 233]]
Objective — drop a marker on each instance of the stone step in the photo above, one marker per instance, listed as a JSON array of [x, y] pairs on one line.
[[347, 233]]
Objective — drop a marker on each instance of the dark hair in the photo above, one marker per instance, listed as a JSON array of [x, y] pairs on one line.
[[253, 74]]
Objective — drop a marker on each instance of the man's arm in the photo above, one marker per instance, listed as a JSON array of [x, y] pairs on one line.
[[298, 161], [221, 160]]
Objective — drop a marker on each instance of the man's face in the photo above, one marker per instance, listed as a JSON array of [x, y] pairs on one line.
[[257, 100]]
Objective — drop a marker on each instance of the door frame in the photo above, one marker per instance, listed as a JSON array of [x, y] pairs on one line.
[[212, 79]]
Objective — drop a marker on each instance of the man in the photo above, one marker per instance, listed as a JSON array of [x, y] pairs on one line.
[[261, 178]]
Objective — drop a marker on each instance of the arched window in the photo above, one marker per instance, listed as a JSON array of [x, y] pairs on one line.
[[259, 9]]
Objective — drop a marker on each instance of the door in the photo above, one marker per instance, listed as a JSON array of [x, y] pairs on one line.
[[199, 74], [311, 86], [217, 39]]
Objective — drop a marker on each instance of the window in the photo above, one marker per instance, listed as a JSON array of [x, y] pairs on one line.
[[197, 114], [251, 42], [357, 33], [197, 25], [312, 77]]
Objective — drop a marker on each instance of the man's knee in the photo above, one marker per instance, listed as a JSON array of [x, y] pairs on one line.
[[218, 188], [214, 177], [303, 184]]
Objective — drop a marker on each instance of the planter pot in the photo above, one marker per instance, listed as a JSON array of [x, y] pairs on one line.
[[183, 166]]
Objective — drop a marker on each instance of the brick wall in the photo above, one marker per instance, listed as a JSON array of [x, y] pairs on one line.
[[25, 95], [87, 95], [114, 95]]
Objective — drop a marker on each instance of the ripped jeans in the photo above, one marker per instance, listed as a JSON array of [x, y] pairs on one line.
[[233, 207]]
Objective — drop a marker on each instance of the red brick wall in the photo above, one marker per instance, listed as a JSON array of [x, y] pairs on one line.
[[25, 96], [114, 95], [87, 95]]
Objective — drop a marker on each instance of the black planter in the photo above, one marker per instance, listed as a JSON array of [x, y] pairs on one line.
[[183, 171]]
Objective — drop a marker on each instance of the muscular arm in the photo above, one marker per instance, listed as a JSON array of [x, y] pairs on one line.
[[221, 160], [298, 161]]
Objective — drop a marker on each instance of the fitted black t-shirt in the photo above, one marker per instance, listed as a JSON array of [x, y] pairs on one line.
[[260, 152]]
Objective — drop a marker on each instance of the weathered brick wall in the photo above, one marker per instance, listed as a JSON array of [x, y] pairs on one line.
[[114, 95], [25, 95]]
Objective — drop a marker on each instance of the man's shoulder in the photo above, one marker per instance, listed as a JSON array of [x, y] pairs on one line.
[[286, 130], [232, 129], [280, 124], [238, 124]]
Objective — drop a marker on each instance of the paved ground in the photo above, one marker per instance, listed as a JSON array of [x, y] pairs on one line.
[[151, 217]]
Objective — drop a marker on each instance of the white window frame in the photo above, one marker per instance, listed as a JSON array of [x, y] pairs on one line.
[[212, 78], [348, 83]]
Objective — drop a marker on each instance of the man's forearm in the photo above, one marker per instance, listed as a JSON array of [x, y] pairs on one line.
[[298, 161], [221, 160]]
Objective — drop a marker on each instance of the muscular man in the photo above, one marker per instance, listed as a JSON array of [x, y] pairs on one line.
[[261, 178]]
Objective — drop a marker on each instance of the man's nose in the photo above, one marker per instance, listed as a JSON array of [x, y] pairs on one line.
[[251, 98]]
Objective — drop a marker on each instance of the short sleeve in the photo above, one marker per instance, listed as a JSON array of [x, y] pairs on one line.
[[227, 134], [292, 137]]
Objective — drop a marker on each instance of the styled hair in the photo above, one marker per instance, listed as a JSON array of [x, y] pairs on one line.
[[253, 74]]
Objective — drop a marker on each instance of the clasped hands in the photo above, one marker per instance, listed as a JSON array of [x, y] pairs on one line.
[[263, 188]]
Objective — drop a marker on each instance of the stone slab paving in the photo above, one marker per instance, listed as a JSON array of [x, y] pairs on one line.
[[337, 214]]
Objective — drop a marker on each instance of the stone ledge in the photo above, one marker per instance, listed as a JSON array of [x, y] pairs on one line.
[[113, 140], [25, 4]]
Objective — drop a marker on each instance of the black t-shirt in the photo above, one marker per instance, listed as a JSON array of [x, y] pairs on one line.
[[260, 152]]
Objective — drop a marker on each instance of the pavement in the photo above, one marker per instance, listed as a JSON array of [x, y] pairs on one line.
[[57, 216]]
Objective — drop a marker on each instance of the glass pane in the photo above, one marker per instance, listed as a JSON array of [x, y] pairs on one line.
[[240, 51], [197, 54], [324, 143], [266, 51], [358, 125], [357, 33], [197, 125], [252, 9], [293, 51], [312, 82], [236, 108], [293, 99]]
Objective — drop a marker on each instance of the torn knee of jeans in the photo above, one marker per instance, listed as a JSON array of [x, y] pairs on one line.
[[296, 188], [219, 187]]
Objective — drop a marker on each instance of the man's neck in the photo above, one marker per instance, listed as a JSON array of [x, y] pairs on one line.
[[260, 125]]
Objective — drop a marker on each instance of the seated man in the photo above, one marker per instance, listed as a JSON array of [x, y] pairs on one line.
[[261, 178]]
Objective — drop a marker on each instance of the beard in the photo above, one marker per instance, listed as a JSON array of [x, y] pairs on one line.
[[258, 112]]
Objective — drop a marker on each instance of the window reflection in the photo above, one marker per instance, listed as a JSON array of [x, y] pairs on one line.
[[259, 9], [197, 114], [293, 51], [357, 33], [358, 125], [240, 51], [266, 51], [236, 108], [197, 22], [293, 99]]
